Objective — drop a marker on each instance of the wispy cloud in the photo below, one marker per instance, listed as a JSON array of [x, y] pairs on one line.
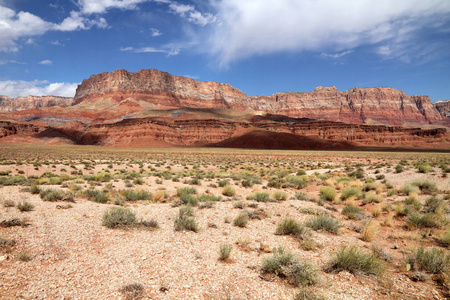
[[46, 62], [155, 32], [170, 49], [4, 62], [101, 6], [191, 14], [248, 28], [336, 55], [12, 88]]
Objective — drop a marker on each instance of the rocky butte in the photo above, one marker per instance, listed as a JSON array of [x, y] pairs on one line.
[[151, 108]]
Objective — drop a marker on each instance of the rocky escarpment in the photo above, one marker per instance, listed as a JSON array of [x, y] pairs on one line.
[[443, 107], [154, 89], [32, 102]]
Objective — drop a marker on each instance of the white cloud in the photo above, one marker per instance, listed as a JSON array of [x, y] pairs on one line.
[[248, 28], [15, 26], [191, 14], [12, 88], [46, 62], [4, 62], [169, 49], [336, 55], [155, 32], [101, 6]]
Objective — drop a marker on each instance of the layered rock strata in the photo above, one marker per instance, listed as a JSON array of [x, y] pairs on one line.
[[32, 102]]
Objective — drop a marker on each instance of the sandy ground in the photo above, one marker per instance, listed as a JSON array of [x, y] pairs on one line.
[[75, 257]]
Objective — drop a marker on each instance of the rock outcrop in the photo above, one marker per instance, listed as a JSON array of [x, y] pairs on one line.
[[32, 102], [443, 107], [159, 90]]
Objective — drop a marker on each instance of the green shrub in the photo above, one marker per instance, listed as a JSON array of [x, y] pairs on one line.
[[308, 294], [241, 220], [285, 264], [185, 220], [228, 191], [97, 196], [409, 188], [327, 193], [301, 196], [415, 220], [279, 195], [434, 261], [297, 182], [34, 189], [425, 186], [118, 217], [353, 212], [351, 192], [51, 195], [186, 190], [132, 195], [225, 251], [259, 196], [356, 260], [25, 206], [289, 226], [323, 223], [371, 198], [223, 183], [424, 167], [445, 238], [433, 204]]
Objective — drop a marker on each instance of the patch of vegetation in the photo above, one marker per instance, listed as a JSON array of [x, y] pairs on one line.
[[51, 195], [228, 191], [279, 195], [351, 192], [96, 196], [119, 217], [225, 252], [434, 261], [353, 212], [25, 206], [327, 193], [241, 220], [185, 220], [323, 223], [259, 196], [356, 260], [133, 291], [290, 226], [285, 264], [132, 195]]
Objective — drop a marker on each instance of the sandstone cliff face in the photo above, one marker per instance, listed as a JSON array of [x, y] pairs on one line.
[[31, 102], [443, 107], [161, 90]]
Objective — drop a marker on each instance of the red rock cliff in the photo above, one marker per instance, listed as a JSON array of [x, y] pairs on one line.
[[160, 90], [443, 107], [31, 102]]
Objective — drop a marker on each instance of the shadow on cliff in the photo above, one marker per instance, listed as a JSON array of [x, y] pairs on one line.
[[280, 140]]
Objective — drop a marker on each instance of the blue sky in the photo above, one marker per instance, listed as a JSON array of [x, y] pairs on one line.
[[47, 47]]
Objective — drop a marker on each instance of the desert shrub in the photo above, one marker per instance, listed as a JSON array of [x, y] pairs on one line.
[[323, 223], [289, 226], [186, 190], [391, 192], [356, 260], [423, 167], [353, 212], [51, 195], [369, 186], [225, 251], [279, 195], [259, 196], [118, 217], [434, 261], [413, 202], [97, 196], [34, 189], [297, 182], [415, 220], [160, 196], [359, 174], [398, 168], [351, 192], [301, 172], [435, 205], [151, 224], [185, 220], [371, 198], [24, 256], [138, 181], [369, 231], [283, 263], [228, 191], [25, 206], [327, 193], [189, 199], [223, 183], [132, 195], [208, 198], [425, 186], [239, 204], [241, 220], [301, 196], [6, 244], [5, 172], [445, 238], [308, 294], [9, 203], [409, 188], [132, 291], [15, 180]]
